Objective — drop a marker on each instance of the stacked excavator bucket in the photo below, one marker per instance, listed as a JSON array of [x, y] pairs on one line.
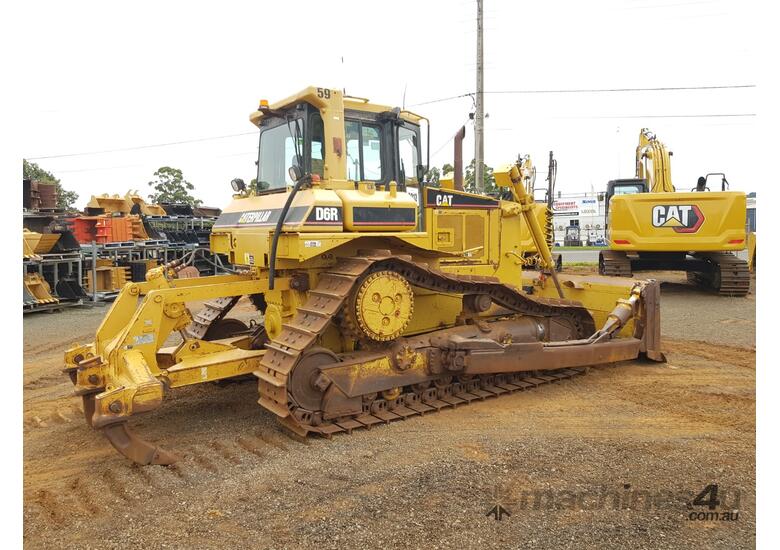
[[141, 206], [67, 242], [137, 229], [38, 243], [103, 229], [28, 247], [108, 204], [37, 290], [112, 218], [108, 278], [69, 289], [47, 242], [38, 195]]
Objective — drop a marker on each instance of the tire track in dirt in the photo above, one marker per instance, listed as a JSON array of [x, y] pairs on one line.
[[100, 495], [116, 486], [224, 450], [85, 496], [45, 381], [252, 447], [52, 507], [58, 414], [195, 459], [33, 351]]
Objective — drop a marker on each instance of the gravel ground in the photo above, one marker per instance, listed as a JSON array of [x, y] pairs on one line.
[[605, 460]]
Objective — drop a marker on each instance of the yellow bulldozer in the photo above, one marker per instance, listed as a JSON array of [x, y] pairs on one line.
[[651, 226], [379, 297]]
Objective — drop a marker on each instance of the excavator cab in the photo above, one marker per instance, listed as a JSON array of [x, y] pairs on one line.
[[622, 187]]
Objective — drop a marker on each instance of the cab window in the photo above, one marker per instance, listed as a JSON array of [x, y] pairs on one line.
[[407, 152], [317, 132], [278, 152], [364, 151], [628, 189]]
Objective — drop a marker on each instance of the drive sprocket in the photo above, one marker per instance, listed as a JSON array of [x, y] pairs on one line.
[[381, 307]]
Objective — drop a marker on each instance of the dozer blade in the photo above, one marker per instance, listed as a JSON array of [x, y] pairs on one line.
[[136, 449]]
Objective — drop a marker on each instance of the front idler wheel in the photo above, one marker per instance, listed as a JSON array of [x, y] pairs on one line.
[[307, 385]]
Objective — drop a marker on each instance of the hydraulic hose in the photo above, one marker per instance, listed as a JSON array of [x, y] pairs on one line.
[[278, 230]]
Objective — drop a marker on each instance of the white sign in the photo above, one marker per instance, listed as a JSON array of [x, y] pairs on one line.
[[583, 206], [589, 206]]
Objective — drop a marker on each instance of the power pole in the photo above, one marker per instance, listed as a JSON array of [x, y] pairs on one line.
[[479, 116]]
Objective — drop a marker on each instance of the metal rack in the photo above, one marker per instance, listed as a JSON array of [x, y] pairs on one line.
[[162, 251], [71, 261], [188, 221], [80, 261]]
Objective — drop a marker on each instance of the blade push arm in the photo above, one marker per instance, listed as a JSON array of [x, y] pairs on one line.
[[514, 178]]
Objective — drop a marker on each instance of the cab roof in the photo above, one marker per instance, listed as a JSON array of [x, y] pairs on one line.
[[314, 96]]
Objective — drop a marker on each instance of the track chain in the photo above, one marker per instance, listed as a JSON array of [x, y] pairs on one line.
[[326, 300], [731, 276], [614, 264]]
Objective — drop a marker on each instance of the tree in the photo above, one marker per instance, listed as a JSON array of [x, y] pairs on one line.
[[432, 177], [447, 168], [469, 179], [31, 171], [255, 187], [170, 186]]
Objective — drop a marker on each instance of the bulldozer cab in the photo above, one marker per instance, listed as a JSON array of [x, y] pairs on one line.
[[340, 141]]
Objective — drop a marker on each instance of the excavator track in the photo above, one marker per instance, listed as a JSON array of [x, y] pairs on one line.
[[298, 337], [614, 264], [730, 275]]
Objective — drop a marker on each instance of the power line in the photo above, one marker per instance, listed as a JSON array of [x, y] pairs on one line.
[[603, 90], [136, 148], [591, 91], [449, 140], [715, 115], [440, 100], [98, 169]]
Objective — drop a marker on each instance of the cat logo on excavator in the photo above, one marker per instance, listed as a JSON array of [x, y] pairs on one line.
[[683, 218]]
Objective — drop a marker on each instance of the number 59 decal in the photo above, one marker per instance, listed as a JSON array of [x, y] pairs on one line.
[[323, 92]]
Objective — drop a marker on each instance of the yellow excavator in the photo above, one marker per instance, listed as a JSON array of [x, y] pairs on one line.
[[379, 297], [651, 226]]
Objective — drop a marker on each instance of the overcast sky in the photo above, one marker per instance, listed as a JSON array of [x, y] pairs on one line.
[[155, 72]]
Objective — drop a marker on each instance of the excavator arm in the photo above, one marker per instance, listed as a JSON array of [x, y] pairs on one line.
[[653, 163]]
